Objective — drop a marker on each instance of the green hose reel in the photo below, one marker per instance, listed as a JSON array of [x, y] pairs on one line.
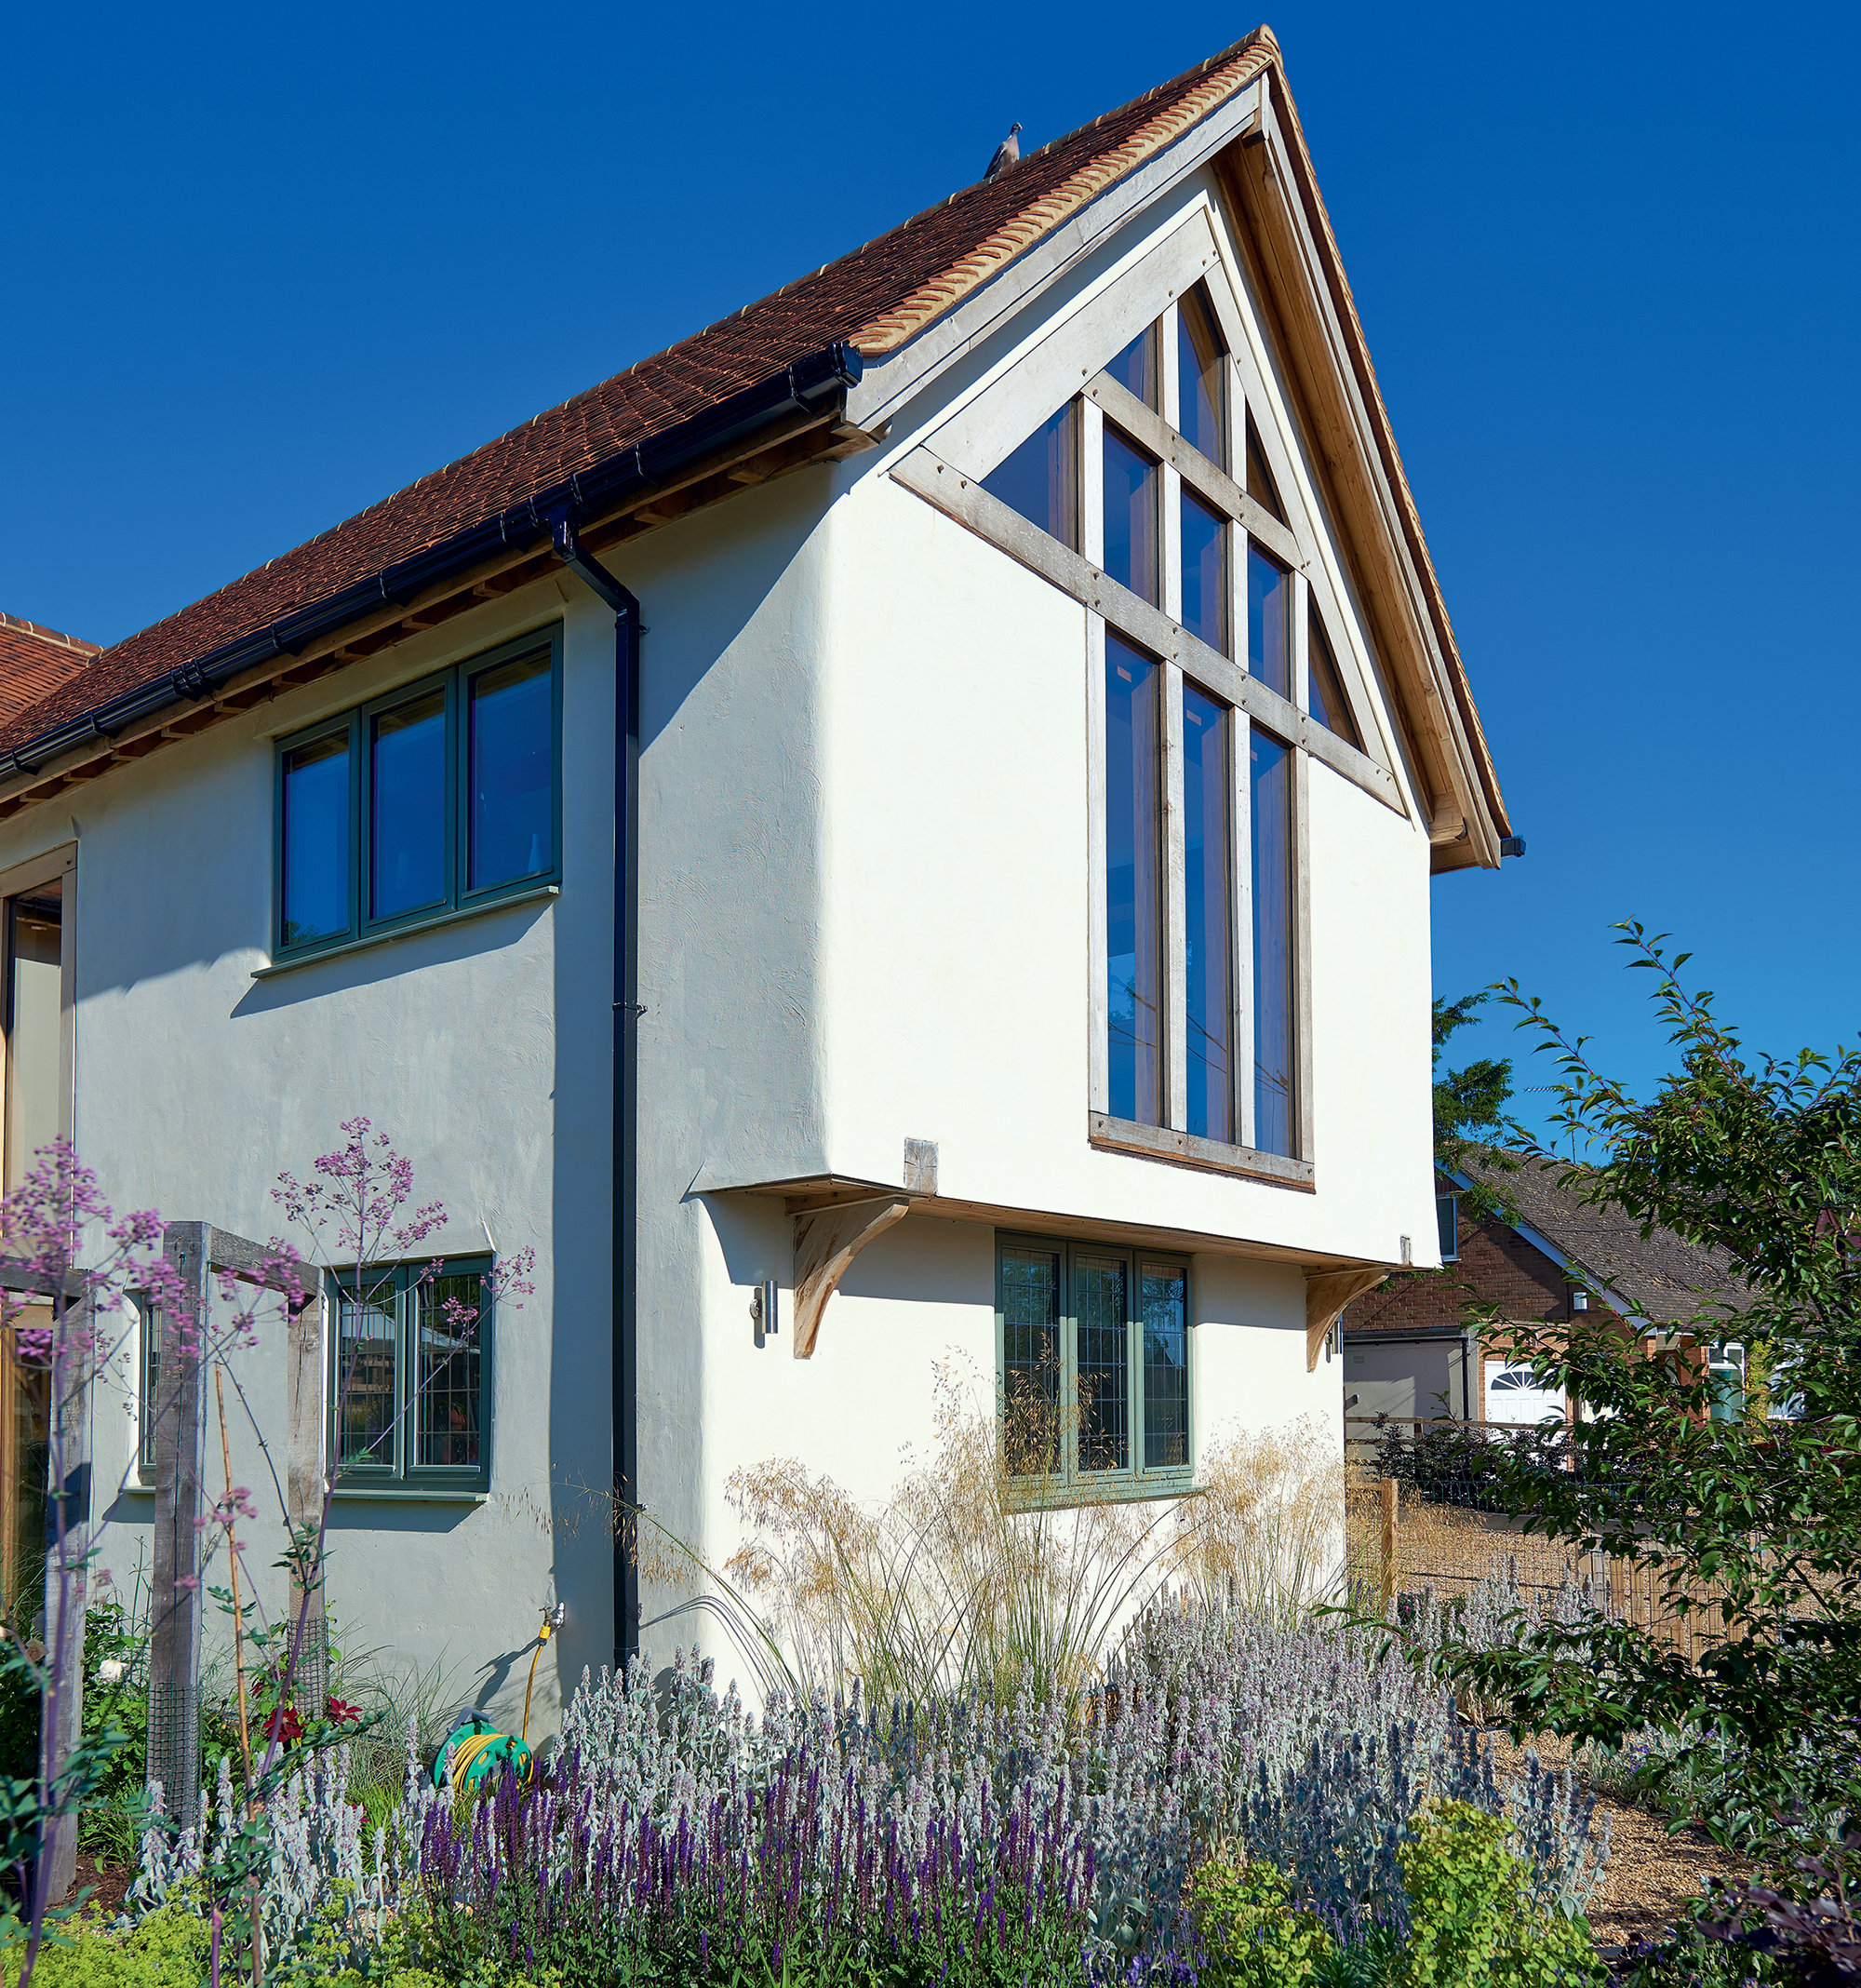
[[475, 1752]]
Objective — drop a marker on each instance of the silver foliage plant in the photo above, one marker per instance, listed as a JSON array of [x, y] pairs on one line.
[[1310, 1744]]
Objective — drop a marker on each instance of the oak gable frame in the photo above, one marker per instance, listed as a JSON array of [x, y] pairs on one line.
[[1064, 362]]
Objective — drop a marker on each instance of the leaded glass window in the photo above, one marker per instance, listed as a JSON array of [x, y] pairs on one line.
[[1093, 1359], [410, 1376]]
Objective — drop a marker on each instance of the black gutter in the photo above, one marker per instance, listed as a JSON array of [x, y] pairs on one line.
[[809, 385], [626, 1210]]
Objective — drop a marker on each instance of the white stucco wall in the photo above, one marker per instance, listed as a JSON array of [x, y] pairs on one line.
[[864, 885]]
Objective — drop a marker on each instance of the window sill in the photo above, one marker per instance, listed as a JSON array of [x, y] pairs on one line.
[[1080, 1497], [540, 895], [1158, 1142], [369, 1494]]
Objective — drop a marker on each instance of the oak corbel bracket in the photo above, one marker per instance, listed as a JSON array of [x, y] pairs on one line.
[[1325, 1298], [827, 1240]]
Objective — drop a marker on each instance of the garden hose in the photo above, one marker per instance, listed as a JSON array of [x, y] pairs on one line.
[[475, 1748]]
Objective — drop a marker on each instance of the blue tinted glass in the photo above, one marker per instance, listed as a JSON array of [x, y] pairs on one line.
[[1166, 1368], [316, 840], [1130, 516], [1041, 479], [513, 773], [1135, 367], [1133, 922], [1206, 932], [1325, 697], [407, 807], [1275, 1118], [1204, 572], [1269, 600], [1199, 378]]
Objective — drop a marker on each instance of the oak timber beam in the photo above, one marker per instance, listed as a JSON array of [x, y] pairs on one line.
[[1326, 1297], [827, 1240]]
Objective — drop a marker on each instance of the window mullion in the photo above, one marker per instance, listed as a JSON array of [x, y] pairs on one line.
[[1176, 911], [1133, 1353], [1092, 482]]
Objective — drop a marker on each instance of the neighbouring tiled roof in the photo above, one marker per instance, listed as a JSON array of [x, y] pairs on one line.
[[876, 299], [33, 662], [1666, 1279]]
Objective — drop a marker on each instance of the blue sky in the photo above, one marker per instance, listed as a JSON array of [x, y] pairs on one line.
[[267, 266]]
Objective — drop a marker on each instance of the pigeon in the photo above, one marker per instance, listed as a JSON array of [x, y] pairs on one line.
[[1006, 153]]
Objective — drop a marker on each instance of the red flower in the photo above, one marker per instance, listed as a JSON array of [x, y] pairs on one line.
[[285, 1725], [338, 1711]]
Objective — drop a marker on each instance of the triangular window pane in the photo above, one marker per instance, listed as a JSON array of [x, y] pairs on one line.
[[1041, 479], [1260, 485], [1135, 367], [1325, 687]]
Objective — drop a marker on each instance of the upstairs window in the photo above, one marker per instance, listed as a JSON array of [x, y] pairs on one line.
[[1260, 484], [1041, 479], [1133, 885], [1325, 699], [1131, 488], [433, 800], [1135, 367], [1201, 378]]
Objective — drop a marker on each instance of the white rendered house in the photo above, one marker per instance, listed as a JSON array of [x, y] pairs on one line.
[[922, 796]]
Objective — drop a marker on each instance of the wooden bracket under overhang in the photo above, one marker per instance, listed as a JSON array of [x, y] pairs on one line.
[[1326, 1297]]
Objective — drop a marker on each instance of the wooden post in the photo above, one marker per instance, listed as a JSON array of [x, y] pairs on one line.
[[1387, 1583], [174, 1604], [68, 1511], [307, 1370]]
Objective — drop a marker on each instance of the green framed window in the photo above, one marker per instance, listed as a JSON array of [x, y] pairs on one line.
[[410, 1376], [440, 796], [1092, 1368]]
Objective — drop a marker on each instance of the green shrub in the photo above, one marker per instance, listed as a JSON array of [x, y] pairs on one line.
[[1253, 1934], [1472, 1920], [168, 1949]]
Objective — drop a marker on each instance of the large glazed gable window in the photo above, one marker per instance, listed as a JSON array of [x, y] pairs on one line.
[[1092, 1363], [433, 800], [1213, 683]]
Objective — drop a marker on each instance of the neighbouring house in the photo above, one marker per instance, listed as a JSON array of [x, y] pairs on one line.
[[894, 835], [1547, 1256]]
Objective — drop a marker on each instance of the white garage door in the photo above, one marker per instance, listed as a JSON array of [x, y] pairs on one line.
[[1514, 1394]]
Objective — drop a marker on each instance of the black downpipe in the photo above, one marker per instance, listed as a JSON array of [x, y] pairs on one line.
[[626, 1078]]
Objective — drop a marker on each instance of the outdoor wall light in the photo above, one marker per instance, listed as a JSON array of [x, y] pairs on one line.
[[1579, 1300], [765, 1315]]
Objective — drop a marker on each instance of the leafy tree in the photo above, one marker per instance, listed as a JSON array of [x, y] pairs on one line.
[[1470, 1118], [1752, 1528]]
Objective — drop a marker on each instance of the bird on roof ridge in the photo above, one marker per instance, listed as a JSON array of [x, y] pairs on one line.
[[1006, 153]]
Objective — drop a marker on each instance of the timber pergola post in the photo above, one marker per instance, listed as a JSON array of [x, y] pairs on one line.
[[195, 1250], [69, 1507]]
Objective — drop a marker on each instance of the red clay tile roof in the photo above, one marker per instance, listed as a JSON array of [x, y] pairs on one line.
[[34, 661], [876, 299]]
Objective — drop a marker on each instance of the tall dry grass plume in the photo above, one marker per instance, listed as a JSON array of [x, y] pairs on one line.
[[1266, 1534], [958, 1580]]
